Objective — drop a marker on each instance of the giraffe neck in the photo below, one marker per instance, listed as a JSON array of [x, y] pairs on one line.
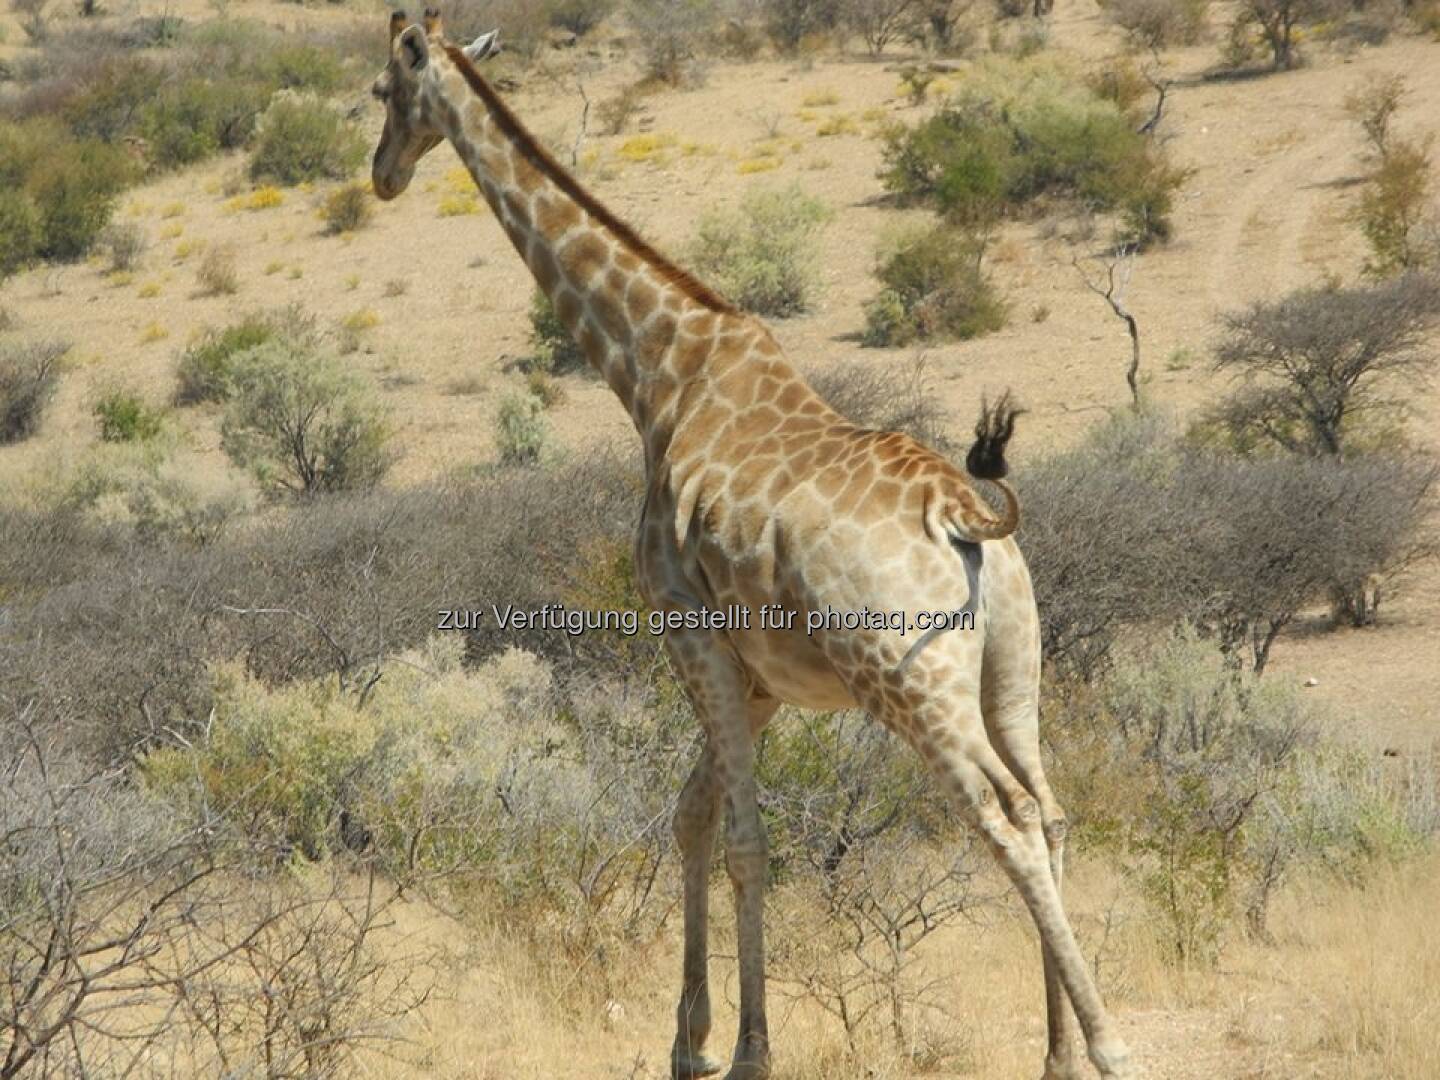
[[623, 303]]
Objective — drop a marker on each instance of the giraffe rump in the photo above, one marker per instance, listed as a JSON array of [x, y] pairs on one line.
[[986, 459]]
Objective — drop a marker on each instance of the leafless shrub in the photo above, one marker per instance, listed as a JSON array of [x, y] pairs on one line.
[[855, 825], [615, 113], [125, 242], [131, 934], [1159, 24], [1320, 364], [879, 22], [670, 34], [877, 398]]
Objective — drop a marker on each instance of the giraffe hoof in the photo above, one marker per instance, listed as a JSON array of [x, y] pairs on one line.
[[1057, 1069], [1112, 1058], [691, 1066]]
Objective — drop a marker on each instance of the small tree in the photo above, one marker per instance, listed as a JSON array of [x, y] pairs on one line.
[[302, 423], [1320, 361], [1373, 105], [1394, 210], [879, 22], [1277, 21], [790, 22]]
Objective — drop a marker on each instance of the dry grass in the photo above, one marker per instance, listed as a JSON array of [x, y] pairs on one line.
[[1351, 990]]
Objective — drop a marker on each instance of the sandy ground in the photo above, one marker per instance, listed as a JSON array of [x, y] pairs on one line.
[[1274, 162]]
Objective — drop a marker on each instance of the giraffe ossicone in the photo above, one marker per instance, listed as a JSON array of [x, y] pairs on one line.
[[758, 494]]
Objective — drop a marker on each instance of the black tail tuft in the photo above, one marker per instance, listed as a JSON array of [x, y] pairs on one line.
[[986, 459]]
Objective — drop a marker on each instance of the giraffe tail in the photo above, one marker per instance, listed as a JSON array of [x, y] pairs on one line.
[[986, 461]]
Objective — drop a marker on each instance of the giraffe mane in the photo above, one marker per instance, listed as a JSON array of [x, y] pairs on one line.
[[543, 160]]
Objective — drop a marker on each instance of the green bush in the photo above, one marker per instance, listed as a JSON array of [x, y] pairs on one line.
[[300, 138], [302, 423], [303, 67], [73, 186], [21, 232], [124, 417], [205, 371], [933, 288], [554, 350], [1026, 134], [764, 255], [29, 376], [522, 434], [1394, 208]]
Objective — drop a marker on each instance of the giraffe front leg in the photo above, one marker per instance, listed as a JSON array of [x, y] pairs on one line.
[[732, 711], [696, 817], [745, 860]]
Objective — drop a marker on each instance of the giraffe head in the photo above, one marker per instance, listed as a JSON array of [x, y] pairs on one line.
[[411, 130]]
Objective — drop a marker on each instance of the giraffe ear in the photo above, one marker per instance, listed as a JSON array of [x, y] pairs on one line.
[[486, 45], [414, 52]]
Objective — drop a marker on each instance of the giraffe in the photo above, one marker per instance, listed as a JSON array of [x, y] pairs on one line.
[[758, 493]]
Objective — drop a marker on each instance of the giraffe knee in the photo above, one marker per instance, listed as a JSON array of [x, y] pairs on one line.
[[1025, 812]]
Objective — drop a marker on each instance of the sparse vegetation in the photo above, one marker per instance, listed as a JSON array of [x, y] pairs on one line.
[[1278, 23], [125, 243], [764, 255], [1160, 24]]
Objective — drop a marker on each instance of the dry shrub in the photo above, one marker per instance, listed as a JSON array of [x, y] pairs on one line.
[[29, 376], [347, 209], [615, 113], [209, 965], [671, 35], [1160, 24], [125, 243], [1136, 529], [876, 397], [217, 275]]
